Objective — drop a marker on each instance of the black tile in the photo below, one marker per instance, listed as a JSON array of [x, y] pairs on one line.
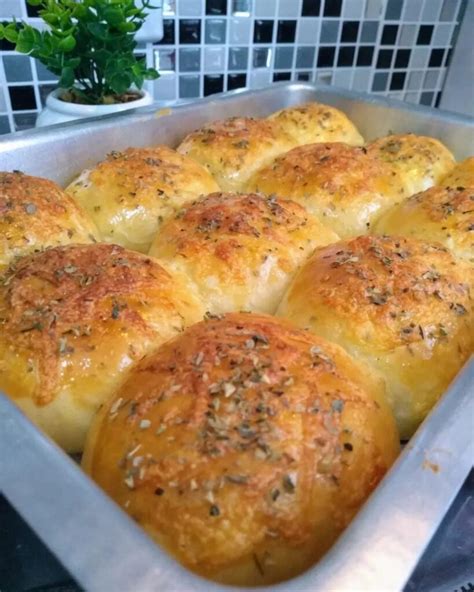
[[189, 31], [349, 31], [436, 58], [438, 98], [236, 81], [32, 11], [326, 57], [384, 58], [278, 76], [427, 98], [311, 8], [286, 31], [214, 7], [213, 83], [398, 80], [263, 31], [6, 45], [365, 55], [389, 34], [332, 7], [402, 58], [303, 76], [168, 33], [346, 55], [425, 33], [22, 97]]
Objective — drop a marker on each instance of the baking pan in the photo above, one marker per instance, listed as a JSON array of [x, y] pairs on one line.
[[93, 538], [61, 151]]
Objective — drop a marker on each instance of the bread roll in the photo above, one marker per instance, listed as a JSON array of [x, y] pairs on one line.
[[130, 193], [73, 320], [438, 214], [461, 176], [419, 161], [402, 305], [340, 184], [232, 149], [34, 214], [244, 447], [240, 250], [314, 122]]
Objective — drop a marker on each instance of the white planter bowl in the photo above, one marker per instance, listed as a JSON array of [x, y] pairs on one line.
[[57, 111]]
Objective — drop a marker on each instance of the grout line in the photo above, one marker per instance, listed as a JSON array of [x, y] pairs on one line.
[[36, 84]]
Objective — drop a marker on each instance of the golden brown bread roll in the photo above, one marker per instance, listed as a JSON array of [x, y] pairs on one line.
[[342, 185], [73, 320], [240, 250], [314, 122], [462, 175], [438, 214], [419, 161], [244, 446], [232, 149], [130, 193], [34, 214], [402, 305]]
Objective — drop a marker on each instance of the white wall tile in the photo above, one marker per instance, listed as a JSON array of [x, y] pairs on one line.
[[307, 31], [265, 8], [239, 30], [214, 59], [10, 8]]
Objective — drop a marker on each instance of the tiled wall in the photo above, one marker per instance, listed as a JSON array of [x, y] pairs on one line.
[[399, 48]]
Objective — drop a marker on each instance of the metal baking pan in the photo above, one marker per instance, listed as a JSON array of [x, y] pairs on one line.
[[94, 539]]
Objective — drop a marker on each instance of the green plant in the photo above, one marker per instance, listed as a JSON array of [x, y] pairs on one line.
[[88, 43]]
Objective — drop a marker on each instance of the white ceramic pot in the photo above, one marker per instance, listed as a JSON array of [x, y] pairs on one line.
[[57, 111]]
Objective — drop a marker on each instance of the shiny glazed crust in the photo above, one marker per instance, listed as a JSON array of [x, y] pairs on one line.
[[35, 213], [73, 319], [240, 250], [461, 176], [342, 185], [438, 214], [130, 193], [402, 305], [243, 446], [419, 161], [314, 122], [234, 148]]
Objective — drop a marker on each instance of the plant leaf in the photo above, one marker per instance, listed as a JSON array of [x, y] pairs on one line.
[[10, 33], [120, 82], [151, 74], [91, 41], [98, 30], [113, 16], [25, 40], [67, 78], [67, 44]]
